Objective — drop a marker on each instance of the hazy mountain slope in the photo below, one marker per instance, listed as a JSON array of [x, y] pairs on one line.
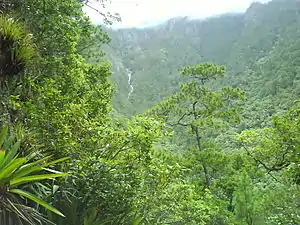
[[156, 54], [265, 60], [260, 49]]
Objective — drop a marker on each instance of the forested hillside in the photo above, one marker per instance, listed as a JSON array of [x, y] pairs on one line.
[[260, 49], [192, 122]]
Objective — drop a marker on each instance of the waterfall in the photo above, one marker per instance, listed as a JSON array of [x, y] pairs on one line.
[[131, 89]]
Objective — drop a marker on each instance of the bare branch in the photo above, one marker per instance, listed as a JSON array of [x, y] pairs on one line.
[[93, 8], [180, 119]]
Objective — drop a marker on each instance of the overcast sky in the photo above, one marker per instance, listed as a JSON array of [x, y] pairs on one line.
[[140, 13]]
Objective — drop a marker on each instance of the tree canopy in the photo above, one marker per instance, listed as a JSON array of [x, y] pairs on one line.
[[187, 123]]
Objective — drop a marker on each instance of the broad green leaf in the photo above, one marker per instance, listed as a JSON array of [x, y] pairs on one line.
[[8, 142], [11, 167], [22, 180], [91, 216], [15, 147], [56, 161], [52, 171], [3, 134], [36, 200], [30, 168], [26, 171], [12, 152], [137, 221], [2, 156]]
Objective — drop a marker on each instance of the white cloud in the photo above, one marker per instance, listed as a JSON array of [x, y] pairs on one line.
[[137, 13]]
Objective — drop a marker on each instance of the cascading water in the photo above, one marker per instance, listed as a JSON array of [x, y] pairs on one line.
[[131, 88]]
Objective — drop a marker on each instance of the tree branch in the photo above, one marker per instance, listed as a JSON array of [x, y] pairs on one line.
[[181, 118], [93, 8]]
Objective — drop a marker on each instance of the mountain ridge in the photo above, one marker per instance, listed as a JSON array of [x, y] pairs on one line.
[[246, 43]]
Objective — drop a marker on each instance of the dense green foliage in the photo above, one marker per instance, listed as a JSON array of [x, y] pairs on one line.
[[217, 145], [260, 49]]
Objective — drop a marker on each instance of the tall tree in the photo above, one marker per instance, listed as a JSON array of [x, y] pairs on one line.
[[200, 110]]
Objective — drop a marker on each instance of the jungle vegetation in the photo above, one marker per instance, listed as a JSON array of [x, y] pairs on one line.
[[191, 122]]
